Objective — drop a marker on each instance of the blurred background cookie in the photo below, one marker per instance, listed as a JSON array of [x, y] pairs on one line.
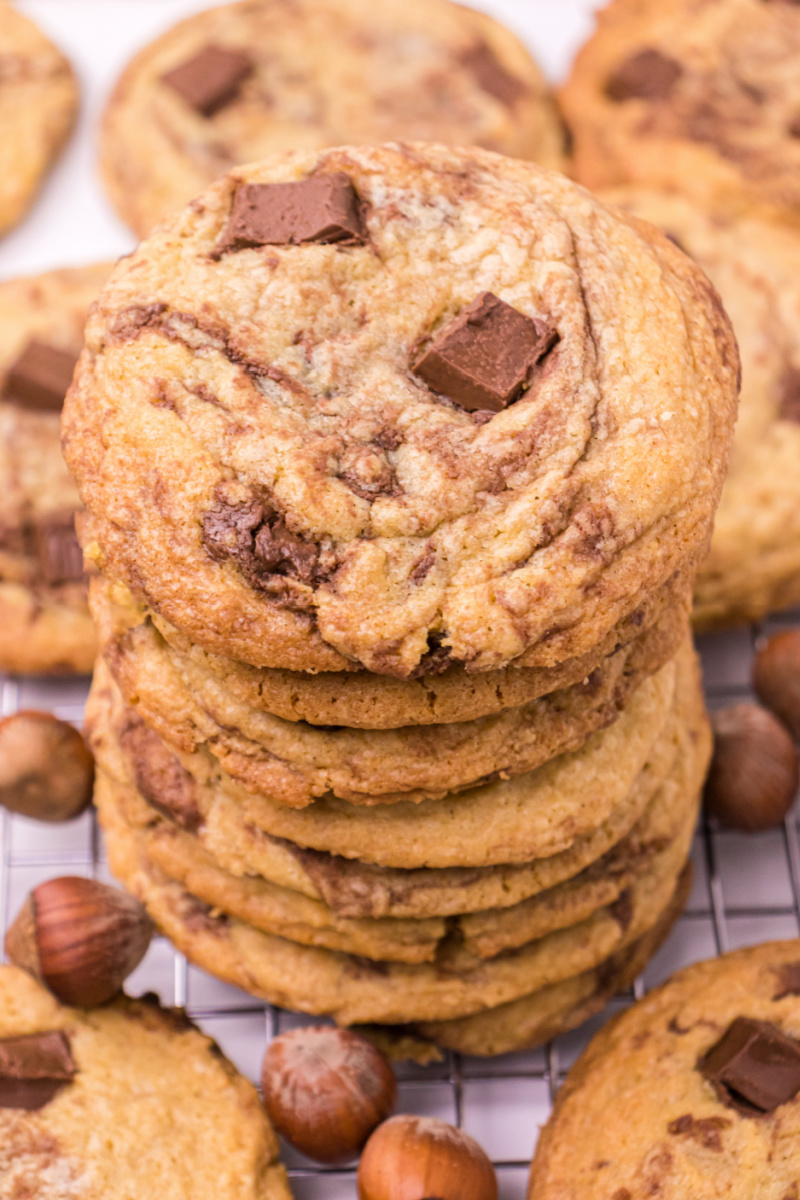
[[700, 98], [38, 104], [754, 564], [242, 81], [45, 625]]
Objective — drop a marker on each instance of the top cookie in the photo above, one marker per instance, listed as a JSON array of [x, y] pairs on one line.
[[693, 1092], [38, 103], [404, 406], [237, 83], [698, 97], [121, 1102]]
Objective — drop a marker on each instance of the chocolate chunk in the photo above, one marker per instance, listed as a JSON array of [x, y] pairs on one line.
[[491, 75], [160, 777], [788, 980], [33, 1069], [322, 209], [704, 1130], [40, 377], [58, 551], [754, 1066], [259, 540], [790, 395], [211, 79], [647, 75], [485, 357]]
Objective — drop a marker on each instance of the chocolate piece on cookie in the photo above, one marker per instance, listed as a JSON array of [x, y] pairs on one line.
[[484, 359], [40, 377], [33, 1069], [754, 1065], [211, 79], [323, 208]]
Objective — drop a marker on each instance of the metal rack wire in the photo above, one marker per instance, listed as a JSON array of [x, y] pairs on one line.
[[747, 889]]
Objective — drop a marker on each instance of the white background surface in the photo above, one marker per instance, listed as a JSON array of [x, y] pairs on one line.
[[747, 889]]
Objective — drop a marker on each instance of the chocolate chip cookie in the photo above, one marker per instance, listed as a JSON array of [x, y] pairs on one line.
[[702, 99], [294, 763], [754, 563], [318, 456], [44, 619], [236, 83], [38, 104], [703, 1076], [89, 1104]]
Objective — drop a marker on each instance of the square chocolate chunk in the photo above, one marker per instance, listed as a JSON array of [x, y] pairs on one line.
[[484, 359], [58, 551], [33, 1069], [755, 1065], [322, 208], [40, 377], [211, 79]]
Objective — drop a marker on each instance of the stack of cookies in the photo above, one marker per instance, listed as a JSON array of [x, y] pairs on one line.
[[398, 464]]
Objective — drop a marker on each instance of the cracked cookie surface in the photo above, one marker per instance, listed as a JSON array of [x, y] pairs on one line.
[[754, 563], [38, 104], [311, 74], [274, 478], [44, 618], [698, 96], [684, 1134]]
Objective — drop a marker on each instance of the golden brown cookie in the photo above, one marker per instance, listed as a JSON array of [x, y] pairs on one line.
[[241, 81], [282, 476], [38, 104], [702, 1075], [116, 1100], [45, 625], [702, 99], [754, 563]]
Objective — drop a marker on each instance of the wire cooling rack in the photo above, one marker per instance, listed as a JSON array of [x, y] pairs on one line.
[[746, 890]]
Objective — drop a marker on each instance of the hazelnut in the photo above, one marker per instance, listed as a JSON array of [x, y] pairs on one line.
[[776, 678], [80, 938], [46, 769], [326, 1089], [754, 770], [413, 1158]]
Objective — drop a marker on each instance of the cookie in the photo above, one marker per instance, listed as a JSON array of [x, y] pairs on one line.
[[702, 1075], [38, 105], [754, 564], [295, 763], [535, 1019], [356, 990], [179, 855], [283, 478], [361, 700], [107, 1101], [45, 625], [704, 102], [237, 83], [533, 816]]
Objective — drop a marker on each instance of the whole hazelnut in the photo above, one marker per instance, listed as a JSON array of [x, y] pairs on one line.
[[80, 938], [754, 770], [326, 1089], [414, 1158], [46, 768], [776, 678]]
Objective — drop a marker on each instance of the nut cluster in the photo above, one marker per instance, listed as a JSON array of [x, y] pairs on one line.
[[755, 768]]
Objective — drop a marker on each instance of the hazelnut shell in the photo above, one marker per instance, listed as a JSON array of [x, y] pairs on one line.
[[776, 678], [754, 770], [80, 938], [326, 1089], [46, 768], [416, 1158]]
